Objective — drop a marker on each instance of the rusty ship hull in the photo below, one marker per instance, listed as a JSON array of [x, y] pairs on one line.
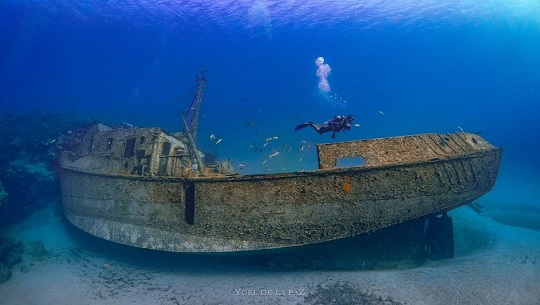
[[151, 199]]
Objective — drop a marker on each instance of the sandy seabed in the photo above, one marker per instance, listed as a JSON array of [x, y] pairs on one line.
[[494, 264]]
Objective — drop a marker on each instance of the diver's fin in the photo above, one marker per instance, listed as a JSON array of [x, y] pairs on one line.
[[302, 126]]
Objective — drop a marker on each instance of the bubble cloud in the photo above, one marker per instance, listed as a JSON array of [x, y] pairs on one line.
[[323, 70]]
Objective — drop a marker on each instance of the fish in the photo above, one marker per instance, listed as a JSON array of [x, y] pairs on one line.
[[460, 128], [381, 112], [271, 138], [212, 136], [264, 145], [302, 148], [265, 161], [241, 165], [274, 154], [219, 141], [356, 125], [250, 124]]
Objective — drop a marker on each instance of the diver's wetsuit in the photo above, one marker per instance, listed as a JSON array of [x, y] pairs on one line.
[[336, 124]]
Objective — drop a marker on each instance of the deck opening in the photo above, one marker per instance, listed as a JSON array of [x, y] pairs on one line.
[[129, 150], [164, 160], [109, 143], [350, 162], [190, 203], [141, 162]]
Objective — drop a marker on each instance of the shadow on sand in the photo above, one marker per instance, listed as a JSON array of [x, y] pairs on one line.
[[398, 247]]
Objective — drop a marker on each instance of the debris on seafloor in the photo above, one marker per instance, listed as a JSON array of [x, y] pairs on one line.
[[346, 293]]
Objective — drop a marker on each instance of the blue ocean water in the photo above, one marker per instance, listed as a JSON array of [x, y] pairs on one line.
[[400, 67], [429, 66]]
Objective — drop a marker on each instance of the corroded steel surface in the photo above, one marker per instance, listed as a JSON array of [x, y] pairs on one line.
[[404, 178], [407, 149]]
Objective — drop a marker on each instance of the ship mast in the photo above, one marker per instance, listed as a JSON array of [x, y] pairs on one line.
[[196, 105], [191, 120], [193, 147]]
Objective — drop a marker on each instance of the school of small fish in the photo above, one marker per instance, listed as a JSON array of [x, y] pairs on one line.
[[275, 153], [305, 144]]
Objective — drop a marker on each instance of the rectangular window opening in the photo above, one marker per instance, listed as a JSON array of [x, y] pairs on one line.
[[129, 150], [350, 162], [164, 160], [109, 143]]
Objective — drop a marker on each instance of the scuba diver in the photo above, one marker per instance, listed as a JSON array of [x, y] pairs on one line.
[[337, 124]]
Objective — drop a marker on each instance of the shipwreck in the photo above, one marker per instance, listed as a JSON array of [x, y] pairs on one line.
[[147, 188]]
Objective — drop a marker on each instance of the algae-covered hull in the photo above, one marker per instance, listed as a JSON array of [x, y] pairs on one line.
[[403, 178]]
